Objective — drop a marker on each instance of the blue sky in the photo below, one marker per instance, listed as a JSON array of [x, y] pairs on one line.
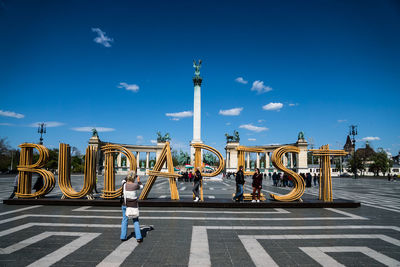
[[312, 66]]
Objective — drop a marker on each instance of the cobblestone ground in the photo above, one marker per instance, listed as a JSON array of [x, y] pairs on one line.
[[89, 236]]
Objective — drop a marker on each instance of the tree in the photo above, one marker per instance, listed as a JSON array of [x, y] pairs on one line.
[[355, 164], [174, 155], [77, 164], [6, 155], [183, 158], [209, 158], [381, 162]]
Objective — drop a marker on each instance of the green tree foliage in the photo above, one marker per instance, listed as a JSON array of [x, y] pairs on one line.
[[77, 164], [183, 158], [7, 154], [381, 163], [174, 154], [355, 164], [209, 158]]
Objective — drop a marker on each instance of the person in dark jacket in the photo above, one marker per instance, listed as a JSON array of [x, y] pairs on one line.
[[257, 185], [239, 185], [196, 184], [39, 183]]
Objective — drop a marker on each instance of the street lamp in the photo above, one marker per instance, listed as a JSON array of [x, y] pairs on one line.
[[353, 132], [41, 130]]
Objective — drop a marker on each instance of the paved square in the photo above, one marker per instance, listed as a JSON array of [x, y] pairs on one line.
[[89, 236]]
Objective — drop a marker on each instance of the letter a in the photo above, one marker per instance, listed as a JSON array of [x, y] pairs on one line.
[[165, 156]]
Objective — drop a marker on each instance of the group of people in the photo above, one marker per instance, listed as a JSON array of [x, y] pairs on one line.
[[284, 180], [256, 184]]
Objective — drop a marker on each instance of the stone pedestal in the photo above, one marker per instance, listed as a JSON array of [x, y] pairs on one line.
[[302, 165], [95, 142], [231, 156]]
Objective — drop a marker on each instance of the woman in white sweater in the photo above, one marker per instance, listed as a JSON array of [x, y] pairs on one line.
[[130, 208]]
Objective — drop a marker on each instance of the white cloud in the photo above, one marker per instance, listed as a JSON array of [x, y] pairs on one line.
[[139, 139], [102, 38], [90, 128], [228, 123], [179, 115], [129, 87], [6, 124], [252, 139], [153, 141], [260, 87], [292, 104], [48, 124], [253, 128], [273, 106], [371, 138], [241, 80], [260, 121], [340, 121], [231, 112], [11, 114]]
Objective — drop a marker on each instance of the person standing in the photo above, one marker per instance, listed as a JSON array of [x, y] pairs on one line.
[[190, 176], [257, 185], [130, 203], [196, 184], [15, 187], [308, 179], [39, 183], [315, 179], [239, 185]]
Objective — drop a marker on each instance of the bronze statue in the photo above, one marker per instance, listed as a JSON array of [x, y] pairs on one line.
[[232, 138], [163, 139], [300, 136], [197, 68], [94, 132]]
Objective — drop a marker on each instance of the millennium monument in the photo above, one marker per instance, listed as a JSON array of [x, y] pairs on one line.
[[196, 108]]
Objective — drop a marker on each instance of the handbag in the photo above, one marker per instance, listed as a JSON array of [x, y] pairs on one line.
[[130, 212]]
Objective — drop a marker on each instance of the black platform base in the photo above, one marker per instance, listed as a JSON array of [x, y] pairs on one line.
[[188, 203]]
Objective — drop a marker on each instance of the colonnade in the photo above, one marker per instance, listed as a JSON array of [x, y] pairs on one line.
[[289, 160]]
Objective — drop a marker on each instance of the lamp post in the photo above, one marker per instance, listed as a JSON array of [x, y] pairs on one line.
[[41, 130], [353, 132]]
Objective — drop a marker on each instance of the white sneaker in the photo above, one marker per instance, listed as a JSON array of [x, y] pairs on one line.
[[196, 199], [253, 200], [258, 200]]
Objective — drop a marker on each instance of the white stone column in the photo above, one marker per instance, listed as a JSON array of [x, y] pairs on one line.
[[285, 160], [197, 114], [291, 160], [147, 160], [228, 160], [248, 161], [258, 160], [119, 165], [138, 159], [267, 160]]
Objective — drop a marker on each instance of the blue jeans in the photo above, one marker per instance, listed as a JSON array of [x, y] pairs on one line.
[[124, 226], [239, 193]]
